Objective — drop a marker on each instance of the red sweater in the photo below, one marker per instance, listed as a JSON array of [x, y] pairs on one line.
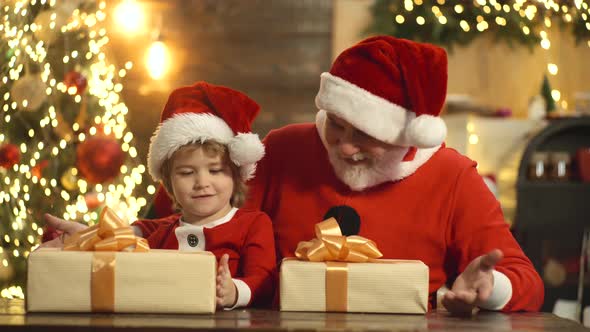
[[443, 214], [247, 238]]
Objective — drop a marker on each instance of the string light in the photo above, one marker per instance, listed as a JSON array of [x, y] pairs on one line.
[[23, 181], [538, 16]]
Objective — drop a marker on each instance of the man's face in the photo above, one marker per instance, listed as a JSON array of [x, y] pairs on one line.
[[359, 160], [352, 145]]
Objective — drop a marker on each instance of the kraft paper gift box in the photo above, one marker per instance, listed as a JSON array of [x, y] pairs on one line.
[[106, 268], [385, 286], [339, 273], [159, 281]]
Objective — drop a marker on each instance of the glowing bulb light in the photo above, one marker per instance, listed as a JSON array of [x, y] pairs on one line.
[[129, 15], [157, 60]]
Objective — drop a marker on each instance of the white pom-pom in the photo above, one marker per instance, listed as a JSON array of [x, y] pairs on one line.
[[426, 131], [245, 149], [247, 171]]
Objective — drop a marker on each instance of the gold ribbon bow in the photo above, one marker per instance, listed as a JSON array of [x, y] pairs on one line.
[[111, 234], [331, 245]]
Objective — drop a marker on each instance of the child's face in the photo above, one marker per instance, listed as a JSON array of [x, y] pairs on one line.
[[202, 184]]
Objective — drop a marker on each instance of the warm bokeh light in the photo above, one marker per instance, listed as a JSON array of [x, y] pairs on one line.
[[129, 15], [157, 60], [92, 91], [528, 22]]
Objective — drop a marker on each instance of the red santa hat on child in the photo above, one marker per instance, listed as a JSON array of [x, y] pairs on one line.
[[391, 89], [204, 112]]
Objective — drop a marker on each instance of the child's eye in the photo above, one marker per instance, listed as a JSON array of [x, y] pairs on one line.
[[216, 170], [185, 172]]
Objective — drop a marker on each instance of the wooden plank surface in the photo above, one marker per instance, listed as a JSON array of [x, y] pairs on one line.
[[14, 318]]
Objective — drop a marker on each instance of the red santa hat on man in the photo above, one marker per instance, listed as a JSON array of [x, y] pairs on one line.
[[204, 112], [391, 89]]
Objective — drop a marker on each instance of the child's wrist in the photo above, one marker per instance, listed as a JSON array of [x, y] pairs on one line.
[[235, 299], [232, 299]]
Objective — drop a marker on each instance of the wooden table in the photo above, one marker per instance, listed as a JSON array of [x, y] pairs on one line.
[[14, 318]]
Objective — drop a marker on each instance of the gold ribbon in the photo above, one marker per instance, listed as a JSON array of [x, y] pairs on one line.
[[332, 247], [109, 235], [102, 284], [336, 286]]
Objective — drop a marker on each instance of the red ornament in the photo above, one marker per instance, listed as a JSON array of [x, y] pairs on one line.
[[9, 155], [92, 201], [38, 169], [99, 129], [99, 159], [77, 80]]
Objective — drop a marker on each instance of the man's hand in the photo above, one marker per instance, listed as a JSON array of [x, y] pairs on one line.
[[227, 294], [474, 285], [67, 227]]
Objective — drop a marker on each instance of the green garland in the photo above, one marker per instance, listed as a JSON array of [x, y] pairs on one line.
[[387, 15]]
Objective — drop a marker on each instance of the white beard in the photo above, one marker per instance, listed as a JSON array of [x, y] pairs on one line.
[[390, 167], [368, 174]]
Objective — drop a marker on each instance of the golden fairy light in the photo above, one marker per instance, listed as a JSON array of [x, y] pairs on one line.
[[23, 180], [494, 12]]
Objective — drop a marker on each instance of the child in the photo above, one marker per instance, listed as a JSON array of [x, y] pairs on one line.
[[203, 152]]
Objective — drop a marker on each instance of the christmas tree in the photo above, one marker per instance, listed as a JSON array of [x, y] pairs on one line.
[[65, 148], [546, 92]]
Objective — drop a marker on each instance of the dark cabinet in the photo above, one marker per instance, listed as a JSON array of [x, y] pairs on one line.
[[552, 213]]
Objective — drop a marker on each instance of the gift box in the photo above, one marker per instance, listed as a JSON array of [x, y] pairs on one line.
[[106, 268], [384, 286], [158, 281], [342, 273]]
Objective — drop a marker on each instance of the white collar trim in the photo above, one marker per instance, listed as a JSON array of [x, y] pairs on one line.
[[213, 223]]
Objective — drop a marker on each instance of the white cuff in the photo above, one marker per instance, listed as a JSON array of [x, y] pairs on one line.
[[244, 294], [501, 293]]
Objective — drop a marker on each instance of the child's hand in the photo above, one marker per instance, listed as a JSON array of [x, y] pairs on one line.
[[227, 294], [67, 228]]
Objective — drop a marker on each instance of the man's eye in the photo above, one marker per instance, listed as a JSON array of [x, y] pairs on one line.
[[362, 135], [334, 124]]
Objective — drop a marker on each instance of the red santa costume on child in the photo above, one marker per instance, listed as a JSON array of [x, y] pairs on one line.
[[207, 112]]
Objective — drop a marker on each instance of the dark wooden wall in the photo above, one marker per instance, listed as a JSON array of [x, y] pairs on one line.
[[273, 50]]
